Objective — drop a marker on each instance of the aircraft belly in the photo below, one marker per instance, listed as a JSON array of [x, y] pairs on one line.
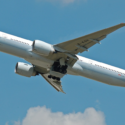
[[98, 74], [39, 60], [108, 78], [39, 63], [24, 51]]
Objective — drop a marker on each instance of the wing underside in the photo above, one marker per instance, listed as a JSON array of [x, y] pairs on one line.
[[66, 51], [83, 43], [54, 83]]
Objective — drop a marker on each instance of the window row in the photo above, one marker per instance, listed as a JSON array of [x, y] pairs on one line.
[[20, 41], [109, 69]]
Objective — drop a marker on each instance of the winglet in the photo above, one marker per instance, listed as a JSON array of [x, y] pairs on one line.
[[123, 24]]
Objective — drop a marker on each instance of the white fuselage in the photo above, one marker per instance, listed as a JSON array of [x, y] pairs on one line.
[[83, 67]]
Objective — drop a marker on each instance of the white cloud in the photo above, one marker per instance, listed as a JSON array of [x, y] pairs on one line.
[[17, 123], [6, 123], [43, 116], [98, 104]]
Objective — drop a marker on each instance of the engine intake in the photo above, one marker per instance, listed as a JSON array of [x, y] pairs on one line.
[[24, 69], [42, 48]]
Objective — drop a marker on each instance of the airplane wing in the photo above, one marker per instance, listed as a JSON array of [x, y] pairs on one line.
[[72, 47], [54, 83], [83, 43]]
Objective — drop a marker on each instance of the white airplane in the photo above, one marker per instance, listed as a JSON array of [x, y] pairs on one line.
[[52, 62]]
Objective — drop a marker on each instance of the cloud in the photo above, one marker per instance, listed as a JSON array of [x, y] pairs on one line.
[[62, 1], [6, 123], [43, 116], [17, 123], [98, 104]]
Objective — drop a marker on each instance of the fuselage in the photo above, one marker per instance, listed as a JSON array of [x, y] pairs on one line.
[[83, 67]]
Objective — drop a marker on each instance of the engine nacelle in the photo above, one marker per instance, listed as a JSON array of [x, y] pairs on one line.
[[42, 48], [24, 69]]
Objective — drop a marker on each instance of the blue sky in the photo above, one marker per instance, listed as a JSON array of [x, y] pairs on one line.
[[56, 21]]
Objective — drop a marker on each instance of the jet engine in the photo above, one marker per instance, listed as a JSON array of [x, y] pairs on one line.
[[42, 48], [24, 69]]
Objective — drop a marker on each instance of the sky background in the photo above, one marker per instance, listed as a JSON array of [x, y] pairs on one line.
[[32, 101]]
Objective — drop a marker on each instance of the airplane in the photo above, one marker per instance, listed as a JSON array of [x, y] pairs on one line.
[[53, 62]]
